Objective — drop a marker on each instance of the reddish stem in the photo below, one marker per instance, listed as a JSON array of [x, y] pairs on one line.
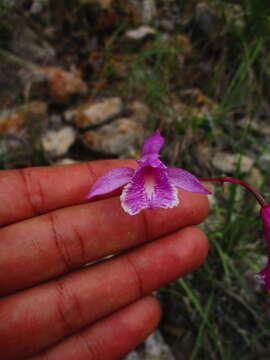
[[252, 189]]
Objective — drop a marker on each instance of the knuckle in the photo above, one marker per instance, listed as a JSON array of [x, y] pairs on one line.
[[34, 193], [60, 244], [68, 307], [78, 243], [93, 347], [136, 276], [69, 242]]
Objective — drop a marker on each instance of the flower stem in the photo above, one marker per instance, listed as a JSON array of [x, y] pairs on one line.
[[252, 189]]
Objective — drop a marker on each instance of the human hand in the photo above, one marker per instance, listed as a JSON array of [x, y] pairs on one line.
[[52, 307]]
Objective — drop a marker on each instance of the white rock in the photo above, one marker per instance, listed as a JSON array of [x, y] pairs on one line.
[[156, 348], [227, 163], [121, 137], [140, 32], [98, 112], [70, 114], [66, 161], [57, 142], [133, 356], [149, 11]]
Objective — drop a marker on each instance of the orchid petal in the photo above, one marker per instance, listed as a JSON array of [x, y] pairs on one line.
[[264, 274], [185, 180], [110, 181], [153, 144], [148, 188]]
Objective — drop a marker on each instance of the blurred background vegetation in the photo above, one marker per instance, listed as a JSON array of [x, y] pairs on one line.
[[199, 71]]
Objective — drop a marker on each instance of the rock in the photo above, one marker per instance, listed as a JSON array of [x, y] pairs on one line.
[[12, 123], [264, 161], [14, 152], [139, 111], [62, 83], [227, 163], [156, 348], [15, 121], [70, 114], [57, 142], [166, 25], [65, 161], [148, 11], [37, 6], [123, 136], [140, 33], [256, 125], [134, 355], [96, 113]]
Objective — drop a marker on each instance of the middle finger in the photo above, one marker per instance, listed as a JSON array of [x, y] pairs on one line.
[[53, 244]]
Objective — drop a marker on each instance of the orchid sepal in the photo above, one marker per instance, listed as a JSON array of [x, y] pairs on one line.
[[111, 181]]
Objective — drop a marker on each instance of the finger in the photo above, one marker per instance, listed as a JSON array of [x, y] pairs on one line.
[[39, 317], [50, 245], [110, 338], [28, 192]]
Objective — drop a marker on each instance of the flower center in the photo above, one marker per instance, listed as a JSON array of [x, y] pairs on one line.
[[149, 182]]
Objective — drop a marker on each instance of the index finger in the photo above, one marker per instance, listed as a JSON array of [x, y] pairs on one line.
[[25, 193]]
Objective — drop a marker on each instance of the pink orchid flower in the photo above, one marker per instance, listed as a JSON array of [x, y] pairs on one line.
[[151, 185], [264, 274]]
